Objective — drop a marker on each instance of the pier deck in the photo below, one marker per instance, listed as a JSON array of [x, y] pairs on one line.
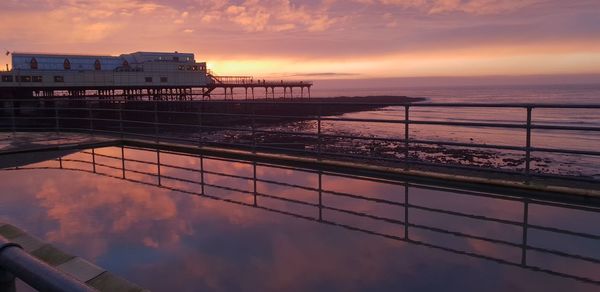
[[219, 88], [249, 84]]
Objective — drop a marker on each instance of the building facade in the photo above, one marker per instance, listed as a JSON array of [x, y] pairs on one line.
[[136, 70]]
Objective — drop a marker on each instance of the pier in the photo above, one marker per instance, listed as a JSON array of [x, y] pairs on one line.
[[135, 77], [250, 85], [223, 88]]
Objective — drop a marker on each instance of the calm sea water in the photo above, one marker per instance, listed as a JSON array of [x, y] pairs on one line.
[[589, 94], [538, 94], [565, 94]]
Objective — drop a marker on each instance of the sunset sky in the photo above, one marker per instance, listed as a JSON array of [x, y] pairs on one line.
[[322, 38]]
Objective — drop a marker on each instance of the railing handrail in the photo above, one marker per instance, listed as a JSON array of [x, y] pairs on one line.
[[37, 274], [320, 101], [528, 124]]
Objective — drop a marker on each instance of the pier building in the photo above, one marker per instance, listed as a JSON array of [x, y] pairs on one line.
[[135, 76]]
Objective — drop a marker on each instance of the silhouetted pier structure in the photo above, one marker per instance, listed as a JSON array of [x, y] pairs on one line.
[[249, 85], [231, 88], [225, 87]]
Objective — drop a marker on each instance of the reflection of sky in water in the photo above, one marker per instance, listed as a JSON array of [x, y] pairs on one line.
[[166, 236]]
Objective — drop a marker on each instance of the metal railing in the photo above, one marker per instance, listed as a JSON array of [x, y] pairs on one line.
[[408, 228], [251, 81], [15, 262], [257, 125]]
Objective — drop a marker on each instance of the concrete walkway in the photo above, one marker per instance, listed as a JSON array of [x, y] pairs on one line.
[[34, 140], [75, 267]]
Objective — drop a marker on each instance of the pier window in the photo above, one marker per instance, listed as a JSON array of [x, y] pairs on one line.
[[164, 79], [24, 78], [149, 79], [7, 78], [195, 68], [67, 64], [180, 67], [36, 78], [33, 64], [59, 79]]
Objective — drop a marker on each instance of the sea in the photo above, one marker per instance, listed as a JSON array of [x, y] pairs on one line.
[[588, 94]]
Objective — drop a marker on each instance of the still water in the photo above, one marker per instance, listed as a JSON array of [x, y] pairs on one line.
[[169, 221]]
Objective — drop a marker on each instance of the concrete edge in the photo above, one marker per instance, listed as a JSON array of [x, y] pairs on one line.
[[76, 267], [285, 158], [514, 184], [75, 146]]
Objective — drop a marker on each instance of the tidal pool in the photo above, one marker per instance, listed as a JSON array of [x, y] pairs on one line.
[[172, 221]]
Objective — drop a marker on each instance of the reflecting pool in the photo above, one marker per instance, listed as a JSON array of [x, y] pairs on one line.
[[172, 221]]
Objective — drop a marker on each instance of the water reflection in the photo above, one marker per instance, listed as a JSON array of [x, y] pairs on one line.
[[117, 206]]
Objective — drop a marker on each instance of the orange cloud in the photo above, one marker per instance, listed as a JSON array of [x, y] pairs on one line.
[[446, 6]]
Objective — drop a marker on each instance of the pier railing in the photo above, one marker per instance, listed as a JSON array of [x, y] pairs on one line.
[[298, 127], [397, 210]]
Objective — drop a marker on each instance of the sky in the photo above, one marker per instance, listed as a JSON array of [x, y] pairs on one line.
[[317, 39]]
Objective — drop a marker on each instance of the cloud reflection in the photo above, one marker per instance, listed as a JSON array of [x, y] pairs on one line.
[[144, 231]]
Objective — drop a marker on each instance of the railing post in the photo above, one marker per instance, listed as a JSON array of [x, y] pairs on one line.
[[524, 238], [13, 117], [254, 182], [253, 125], [406, 135], [156, 121], [158, 167], [319, 138], [320, 196], [406, 211], [200, 128], [56, 119], [528, 142], [121, 120], [202, 173], [91, 118], [93, 160], [123, 160]]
